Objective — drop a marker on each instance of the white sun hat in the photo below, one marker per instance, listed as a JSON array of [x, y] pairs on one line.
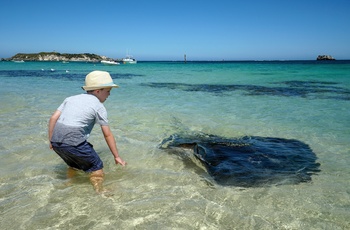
[[98, 80]]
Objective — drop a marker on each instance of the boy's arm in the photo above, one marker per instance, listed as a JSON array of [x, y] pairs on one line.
[[108, 135], [52, 124]]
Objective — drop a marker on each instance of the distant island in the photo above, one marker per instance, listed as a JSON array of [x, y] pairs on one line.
[[324, 58], [55, 56]]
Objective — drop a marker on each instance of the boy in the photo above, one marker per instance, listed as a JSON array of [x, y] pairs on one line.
[[70, 126]]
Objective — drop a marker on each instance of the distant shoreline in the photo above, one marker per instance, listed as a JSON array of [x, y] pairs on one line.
[[88, 57]]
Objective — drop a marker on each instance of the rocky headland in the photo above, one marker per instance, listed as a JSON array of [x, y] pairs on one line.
[[55, 56]]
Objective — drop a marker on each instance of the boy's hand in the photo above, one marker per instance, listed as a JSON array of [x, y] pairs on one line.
[[119, 160]]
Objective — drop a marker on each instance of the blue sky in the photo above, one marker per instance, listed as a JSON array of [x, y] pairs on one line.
[[168, 29]]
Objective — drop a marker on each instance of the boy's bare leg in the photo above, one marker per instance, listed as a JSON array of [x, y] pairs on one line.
[[96, 179], [71, 172]]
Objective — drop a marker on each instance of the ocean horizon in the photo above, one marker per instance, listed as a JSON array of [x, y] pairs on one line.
[[202, 60], [303, 100]]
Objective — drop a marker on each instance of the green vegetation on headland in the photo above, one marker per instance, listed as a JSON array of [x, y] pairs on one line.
[[55, 56]]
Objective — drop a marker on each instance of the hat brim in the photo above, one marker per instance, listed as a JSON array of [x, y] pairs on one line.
[[88, 88]]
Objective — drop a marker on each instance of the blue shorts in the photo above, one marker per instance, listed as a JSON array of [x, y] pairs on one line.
[[81, 157]]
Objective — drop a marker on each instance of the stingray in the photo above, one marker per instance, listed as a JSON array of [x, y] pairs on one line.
[[249, 161]]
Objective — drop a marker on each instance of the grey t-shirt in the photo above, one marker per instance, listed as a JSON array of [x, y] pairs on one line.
[[78, 116]]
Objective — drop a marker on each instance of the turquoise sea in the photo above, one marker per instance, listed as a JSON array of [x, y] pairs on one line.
[[304, 100]]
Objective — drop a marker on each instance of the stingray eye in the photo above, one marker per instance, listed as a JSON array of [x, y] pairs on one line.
[[200, 150]]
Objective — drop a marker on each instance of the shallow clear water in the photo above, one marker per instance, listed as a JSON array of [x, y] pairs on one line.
[[157, 190]]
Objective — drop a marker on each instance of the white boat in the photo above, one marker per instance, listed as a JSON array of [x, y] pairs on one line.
[[129, 60], [109, 62]]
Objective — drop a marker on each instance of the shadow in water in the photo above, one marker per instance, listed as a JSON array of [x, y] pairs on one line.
[[306, 89], [60, 74]]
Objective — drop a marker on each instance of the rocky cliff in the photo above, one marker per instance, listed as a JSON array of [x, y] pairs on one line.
[[55, 56]]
